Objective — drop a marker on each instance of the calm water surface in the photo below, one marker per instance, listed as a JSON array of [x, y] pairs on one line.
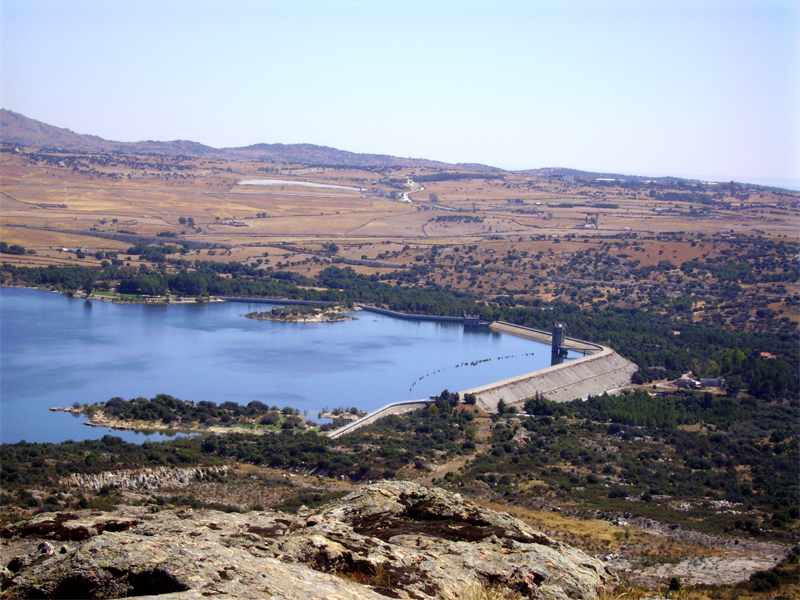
[[56, 350]]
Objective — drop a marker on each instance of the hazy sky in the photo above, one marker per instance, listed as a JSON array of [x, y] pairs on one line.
[[706, 89]]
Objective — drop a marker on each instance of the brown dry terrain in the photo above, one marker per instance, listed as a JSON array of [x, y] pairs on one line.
[[51, 193], [514, 234]]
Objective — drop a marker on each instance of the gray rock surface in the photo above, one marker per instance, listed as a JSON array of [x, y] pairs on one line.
[[394, 539], [146, 479]]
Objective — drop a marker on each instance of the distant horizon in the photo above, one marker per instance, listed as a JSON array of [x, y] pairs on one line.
[[705, 86], [787, 183], [792, 184]]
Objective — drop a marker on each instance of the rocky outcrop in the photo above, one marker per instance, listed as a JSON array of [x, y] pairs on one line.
[[394, 539], [143, 479]]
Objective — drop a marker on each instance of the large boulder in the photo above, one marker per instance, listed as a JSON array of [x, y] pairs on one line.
[[395, 539]]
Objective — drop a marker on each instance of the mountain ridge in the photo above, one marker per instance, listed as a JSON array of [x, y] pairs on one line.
[[18, 129]]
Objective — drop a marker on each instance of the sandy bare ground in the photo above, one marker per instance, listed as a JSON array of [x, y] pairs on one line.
[[728, 569], [715, 560]]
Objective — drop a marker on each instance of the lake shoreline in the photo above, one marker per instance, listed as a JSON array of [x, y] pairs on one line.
[[99, 419], [163, 300]]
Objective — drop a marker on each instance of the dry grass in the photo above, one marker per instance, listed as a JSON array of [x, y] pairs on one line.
[[209, 192], [626, 592], [592, 535], [373, 575], [481, 591]]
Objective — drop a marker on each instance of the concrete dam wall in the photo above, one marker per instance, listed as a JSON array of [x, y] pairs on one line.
[[396, 408], [600, 371], [465, 320]]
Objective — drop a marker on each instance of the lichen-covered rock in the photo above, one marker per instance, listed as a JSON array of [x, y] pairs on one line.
[[394, 539], [385, 508]]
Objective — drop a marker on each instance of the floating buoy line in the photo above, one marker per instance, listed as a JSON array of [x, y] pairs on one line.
[[473, 363]]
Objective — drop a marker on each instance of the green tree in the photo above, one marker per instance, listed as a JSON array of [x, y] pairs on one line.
[[13, 249]]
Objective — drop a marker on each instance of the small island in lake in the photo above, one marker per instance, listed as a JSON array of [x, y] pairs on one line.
[[303, 314]]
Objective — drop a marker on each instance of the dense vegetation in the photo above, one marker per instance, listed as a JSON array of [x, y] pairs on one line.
[[709, 461], [744, 451], [12, 249], [165, 409]]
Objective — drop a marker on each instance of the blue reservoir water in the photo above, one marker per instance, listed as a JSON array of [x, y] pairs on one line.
[[56, 350]]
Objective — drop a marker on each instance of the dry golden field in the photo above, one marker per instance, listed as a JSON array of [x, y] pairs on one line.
[[149, 201]]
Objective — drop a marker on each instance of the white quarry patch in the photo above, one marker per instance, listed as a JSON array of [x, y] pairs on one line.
[[299, 184]]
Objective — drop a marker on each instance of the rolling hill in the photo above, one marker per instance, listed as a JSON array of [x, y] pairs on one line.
[[17, 129]]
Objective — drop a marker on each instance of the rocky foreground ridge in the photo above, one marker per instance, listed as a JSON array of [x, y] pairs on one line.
[[389, 539]]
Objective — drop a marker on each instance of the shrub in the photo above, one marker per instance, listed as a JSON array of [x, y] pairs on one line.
[[617, 492]]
